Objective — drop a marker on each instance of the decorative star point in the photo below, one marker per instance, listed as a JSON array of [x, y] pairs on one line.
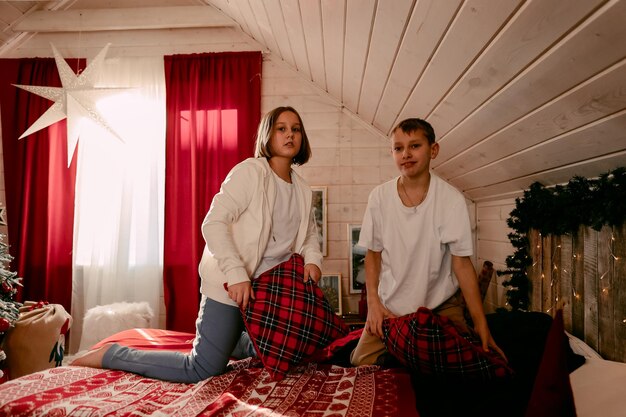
[[76, 99]]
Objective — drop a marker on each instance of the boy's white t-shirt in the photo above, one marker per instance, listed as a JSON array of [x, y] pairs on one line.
[[285, 224], [416, 244]]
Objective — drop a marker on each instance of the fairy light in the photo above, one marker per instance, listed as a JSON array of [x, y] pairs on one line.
[[611, 242]]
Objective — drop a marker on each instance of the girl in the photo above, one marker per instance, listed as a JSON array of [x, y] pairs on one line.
[[261, 216]]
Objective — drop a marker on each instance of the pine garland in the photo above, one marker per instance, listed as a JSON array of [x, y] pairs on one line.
[[557, 211]]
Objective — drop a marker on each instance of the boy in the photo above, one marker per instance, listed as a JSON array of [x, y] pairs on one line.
[[418, 237]]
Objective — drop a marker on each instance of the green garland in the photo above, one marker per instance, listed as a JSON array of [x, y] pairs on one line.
[[556, 211]]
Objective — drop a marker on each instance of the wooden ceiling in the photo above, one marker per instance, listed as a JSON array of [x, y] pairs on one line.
[[518, 91]]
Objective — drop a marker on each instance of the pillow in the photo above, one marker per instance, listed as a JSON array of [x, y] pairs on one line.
[[430, 344], [552, 393], [151, 339], [581, 348], [289, 320]]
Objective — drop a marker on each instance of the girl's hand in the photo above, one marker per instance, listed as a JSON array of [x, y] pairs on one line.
[[312, 271], [241, 293]]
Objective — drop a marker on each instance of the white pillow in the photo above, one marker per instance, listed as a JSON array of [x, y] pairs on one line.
[[105, 320], [598, 388], [581, 348]]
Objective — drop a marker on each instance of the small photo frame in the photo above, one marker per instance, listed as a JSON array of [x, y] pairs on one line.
[[3, 216], [330, 284], [319, 211], [356, 259]]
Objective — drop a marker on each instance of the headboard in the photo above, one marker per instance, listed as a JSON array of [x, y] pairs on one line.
[[585, 275]]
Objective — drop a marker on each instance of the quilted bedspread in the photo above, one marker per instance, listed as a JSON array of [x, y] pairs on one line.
[[246, 390]]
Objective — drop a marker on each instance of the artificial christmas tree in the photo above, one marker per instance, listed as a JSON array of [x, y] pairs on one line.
[[9, 308]]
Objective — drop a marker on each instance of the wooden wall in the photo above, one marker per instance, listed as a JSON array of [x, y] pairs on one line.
[[493, 245], [585, 274], [349, 159]]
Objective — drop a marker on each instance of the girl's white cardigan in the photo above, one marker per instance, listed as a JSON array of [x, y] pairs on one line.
[[237, 227]]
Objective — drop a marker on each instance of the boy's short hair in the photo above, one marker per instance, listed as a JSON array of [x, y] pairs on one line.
[[411, 125], [264, 133]]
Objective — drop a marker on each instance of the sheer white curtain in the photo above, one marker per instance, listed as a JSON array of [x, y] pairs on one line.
[[118, 226]]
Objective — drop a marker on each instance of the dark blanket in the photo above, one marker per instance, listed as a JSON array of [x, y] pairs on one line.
[[522, 337]]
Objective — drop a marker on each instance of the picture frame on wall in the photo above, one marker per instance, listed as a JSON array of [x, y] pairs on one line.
[[330, 284], [356, 259], [320, 213]]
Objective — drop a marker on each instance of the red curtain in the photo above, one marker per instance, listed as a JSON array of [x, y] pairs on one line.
[[213, 109], [39, 185]]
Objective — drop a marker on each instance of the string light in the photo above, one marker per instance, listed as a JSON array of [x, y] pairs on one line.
[[611, 248]]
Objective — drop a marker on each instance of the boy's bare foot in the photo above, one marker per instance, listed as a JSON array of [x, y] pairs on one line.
[[92, 359]]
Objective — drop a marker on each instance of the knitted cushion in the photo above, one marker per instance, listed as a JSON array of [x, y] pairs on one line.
[[289, 319], [430, 344]]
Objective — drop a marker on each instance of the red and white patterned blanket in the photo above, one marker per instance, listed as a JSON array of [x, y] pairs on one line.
[[246, 390]]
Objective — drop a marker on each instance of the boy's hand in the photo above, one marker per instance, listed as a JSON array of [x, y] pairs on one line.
[[487, 340], [376, 313]]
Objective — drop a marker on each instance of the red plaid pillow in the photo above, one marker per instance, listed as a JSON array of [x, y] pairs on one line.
[[289, 319], [430, 344]]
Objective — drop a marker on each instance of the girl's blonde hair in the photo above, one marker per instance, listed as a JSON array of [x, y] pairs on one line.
[[264, 133]]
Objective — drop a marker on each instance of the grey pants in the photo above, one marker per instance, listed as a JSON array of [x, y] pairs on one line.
[[220, 335]]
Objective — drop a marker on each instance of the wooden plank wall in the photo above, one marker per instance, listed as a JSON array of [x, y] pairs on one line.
[[492, 244], [585, 274]]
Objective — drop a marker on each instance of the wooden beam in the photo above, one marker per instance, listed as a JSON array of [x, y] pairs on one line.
[[87, 20]]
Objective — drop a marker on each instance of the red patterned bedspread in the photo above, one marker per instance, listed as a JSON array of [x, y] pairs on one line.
[[246, 390]]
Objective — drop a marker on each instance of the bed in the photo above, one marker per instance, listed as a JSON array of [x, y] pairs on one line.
[[329, 387], [312, 389]]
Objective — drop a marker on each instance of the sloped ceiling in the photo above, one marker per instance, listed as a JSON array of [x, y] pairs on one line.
[[518, 91]]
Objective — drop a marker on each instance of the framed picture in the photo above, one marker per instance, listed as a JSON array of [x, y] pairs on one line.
[[330, 284], [356, 259], [319, 211], [3, 217]]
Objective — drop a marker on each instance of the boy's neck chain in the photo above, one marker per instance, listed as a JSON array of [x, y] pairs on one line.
[[421, 200]]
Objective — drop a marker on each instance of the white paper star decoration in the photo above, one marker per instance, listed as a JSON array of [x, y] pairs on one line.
[[75, 100]]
